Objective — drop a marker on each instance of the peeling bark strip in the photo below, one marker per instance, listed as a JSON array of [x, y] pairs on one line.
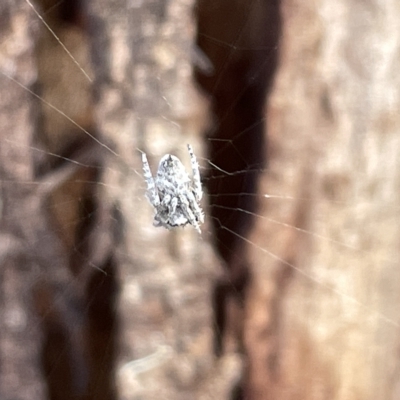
[[240, 39]]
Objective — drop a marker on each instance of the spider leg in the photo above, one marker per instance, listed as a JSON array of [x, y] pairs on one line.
[[166, 200], [162, 216], [197, 210], [151, 193], [172, 207], [156, 222], [189, 213], [176, 215], [159, 220], [196, 174]]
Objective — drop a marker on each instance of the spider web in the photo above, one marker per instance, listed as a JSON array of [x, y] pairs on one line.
[[123, 183]]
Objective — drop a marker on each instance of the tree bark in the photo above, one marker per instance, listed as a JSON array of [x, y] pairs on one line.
[[312, 272], [20, 336], [326, 250], [146, 103]]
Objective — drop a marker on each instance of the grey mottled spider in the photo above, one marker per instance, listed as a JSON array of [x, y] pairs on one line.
[[173, 194]]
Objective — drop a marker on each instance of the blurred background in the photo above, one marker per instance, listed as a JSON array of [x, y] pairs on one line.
[[292, 290]]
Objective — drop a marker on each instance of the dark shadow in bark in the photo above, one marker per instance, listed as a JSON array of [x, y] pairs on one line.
[[102, 329], [240, 40]]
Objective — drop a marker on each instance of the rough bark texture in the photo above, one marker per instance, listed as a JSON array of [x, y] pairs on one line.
[[304, 99], [20, 337], [58, 269], [323, 322], [145, 102]]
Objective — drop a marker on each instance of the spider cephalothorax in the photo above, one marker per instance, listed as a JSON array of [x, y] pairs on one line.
[[173, 194]]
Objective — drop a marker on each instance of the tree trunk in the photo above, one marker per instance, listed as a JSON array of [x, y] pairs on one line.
[[326, 250], [297, 262], [146, 103]]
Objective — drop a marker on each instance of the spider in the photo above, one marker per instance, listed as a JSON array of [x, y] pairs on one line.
[[173, 194]]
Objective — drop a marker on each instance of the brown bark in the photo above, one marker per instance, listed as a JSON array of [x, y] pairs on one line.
[[20, 337], [57, 334], [323, 320], [312, 308], [146, 102]]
